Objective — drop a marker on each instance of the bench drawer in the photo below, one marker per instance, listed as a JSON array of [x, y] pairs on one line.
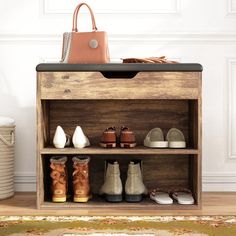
[[143, 85]]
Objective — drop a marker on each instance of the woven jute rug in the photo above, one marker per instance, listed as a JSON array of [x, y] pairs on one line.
[[117, 226]]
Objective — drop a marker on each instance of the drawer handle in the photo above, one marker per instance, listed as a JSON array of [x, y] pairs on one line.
[[119, 74], [65, 77], [67, 91]]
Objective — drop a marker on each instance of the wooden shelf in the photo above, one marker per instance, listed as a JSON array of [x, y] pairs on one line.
[[140, 150], [98, 202], [86, 97]]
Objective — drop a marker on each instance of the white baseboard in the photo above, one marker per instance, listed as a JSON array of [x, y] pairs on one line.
[[215, 182], [219, 187], [223, 182], [25, 182]]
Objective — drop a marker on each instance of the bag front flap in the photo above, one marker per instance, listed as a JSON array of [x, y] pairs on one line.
[[85, 44]]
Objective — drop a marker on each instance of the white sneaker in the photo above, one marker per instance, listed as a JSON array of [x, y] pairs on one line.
[[79, 139]]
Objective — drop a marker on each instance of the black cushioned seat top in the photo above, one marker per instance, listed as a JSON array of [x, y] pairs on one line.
[[191, 67]]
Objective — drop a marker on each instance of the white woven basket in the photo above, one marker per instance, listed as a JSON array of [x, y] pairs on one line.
[[7, 152]]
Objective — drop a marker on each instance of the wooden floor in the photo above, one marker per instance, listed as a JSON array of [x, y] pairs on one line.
[[25, 204]]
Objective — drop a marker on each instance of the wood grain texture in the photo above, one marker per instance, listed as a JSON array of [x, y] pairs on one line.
[[145, 85], [164, 171], [140, 115], [198, 163], [40, 144], [213, 204], [98, 204], [150, 99], [139, 150]]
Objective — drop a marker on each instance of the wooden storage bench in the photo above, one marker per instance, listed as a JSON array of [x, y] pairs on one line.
[[140, 96]]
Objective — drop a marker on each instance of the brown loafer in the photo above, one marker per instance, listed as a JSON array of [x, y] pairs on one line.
[[109, 138], [127, 138]]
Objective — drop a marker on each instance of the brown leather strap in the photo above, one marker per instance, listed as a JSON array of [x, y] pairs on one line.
[[174, 193], [75, 16], [152, 60], [159, 190]]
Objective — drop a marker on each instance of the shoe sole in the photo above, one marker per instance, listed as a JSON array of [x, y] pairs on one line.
[[82, 199], [133, 198], [108, 145], [113, 198], [59, 199], [127, 145]]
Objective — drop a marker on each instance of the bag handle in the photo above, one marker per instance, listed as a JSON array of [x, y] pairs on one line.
[[9, 144], [75, 16]]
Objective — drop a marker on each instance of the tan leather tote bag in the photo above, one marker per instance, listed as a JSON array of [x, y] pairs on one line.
[[85, 47]]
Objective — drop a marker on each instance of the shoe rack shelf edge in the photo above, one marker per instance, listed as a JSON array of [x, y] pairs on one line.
[[139, 150], [141, 97]]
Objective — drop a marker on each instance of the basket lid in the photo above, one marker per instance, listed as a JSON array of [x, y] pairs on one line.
[[6, 121]]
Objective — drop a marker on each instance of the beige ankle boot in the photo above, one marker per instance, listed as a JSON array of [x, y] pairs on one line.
[[134, 186], [112, 187]]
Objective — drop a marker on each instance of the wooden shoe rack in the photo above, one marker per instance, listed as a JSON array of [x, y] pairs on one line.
[[140, 96]]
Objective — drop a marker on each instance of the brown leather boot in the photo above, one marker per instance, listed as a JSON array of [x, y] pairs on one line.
[[81, 179], [59, 178]]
